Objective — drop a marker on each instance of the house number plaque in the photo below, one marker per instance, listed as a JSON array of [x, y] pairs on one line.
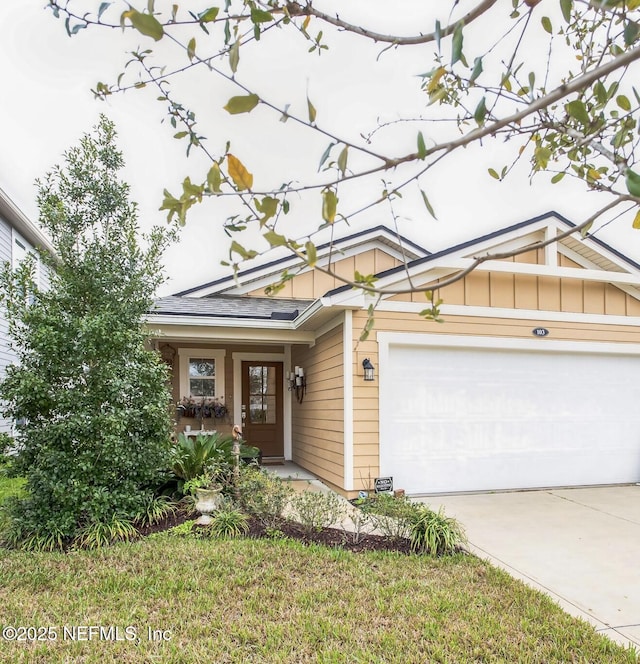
[[540, 332]]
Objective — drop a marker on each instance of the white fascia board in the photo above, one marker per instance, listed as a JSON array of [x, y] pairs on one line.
[[187, 332], [351, 299], [207, 321], [515, 314], [309, 312], [18, 220], [538, 344], [532, 269]]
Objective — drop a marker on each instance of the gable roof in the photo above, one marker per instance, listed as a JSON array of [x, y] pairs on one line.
[[592, 249], [380, 235], [599, 262]]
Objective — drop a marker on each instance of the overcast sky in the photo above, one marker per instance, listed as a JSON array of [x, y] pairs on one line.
[[47, 105]]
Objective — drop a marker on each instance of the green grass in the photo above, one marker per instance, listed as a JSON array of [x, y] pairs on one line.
[[265, 601], [10, 487]]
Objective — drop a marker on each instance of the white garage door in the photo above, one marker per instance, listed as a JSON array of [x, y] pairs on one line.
[[460, 419]]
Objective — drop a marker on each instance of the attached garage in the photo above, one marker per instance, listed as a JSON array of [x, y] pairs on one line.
[[474, 402], [477, 413]]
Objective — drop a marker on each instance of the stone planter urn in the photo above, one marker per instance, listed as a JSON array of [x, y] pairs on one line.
[[208, 501]]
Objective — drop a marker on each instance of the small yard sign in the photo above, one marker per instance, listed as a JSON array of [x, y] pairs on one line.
[[383, 484]]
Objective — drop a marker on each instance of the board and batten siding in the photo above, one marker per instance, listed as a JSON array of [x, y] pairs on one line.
[[520, 291], [312, 284], [318, 422]]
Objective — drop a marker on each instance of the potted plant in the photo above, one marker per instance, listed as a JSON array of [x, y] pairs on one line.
[[207, 488]]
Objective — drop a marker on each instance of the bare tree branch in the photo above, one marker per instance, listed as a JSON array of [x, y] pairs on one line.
[[296, 9]]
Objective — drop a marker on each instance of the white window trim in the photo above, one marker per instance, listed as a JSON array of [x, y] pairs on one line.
[[347, 360], [186, 354]]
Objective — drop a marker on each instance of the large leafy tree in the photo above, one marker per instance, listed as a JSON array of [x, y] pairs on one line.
[[90, 397], [553, 80]]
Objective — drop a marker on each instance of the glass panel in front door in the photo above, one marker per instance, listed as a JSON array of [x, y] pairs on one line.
[[262, 395]]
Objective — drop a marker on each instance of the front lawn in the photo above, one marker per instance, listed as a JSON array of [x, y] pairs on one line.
[[279, 601]]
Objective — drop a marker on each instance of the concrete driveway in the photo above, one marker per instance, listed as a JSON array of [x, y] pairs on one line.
[[580, 546]]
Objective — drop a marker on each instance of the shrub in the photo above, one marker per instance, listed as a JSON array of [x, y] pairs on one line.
[[315, 510], [434, 533], [359, 526], [263, 495], [92, 398], [391, 515]]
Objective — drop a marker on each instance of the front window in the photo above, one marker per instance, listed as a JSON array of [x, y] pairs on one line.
[[201, 373], [202, 377]]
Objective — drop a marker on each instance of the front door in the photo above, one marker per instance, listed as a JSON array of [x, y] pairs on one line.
[[262, 418]]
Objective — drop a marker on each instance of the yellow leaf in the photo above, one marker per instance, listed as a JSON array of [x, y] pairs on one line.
[[234, 56], [636, 221], [214, 178], [329, 205], [435, 79], [144, 23], [239, 174], [312, 111], [342, 160]]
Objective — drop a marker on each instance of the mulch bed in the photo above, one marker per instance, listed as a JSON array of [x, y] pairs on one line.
[[331, 537]]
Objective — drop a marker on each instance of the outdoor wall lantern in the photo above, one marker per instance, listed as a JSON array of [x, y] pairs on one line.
[[298, 383], [369, 370]]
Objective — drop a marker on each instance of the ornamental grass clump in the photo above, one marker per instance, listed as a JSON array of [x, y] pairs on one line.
[[435, 533], [229, 522]]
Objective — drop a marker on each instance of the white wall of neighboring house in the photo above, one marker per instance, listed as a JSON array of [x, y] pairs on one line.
[[18, 237]]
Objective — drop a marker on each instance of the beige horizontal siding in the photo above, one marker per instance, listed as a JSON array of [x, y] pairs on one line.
[[366, 425], [318, 422]]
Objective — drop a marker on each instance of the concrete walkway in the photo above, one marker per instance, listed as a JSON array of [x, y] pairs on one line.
[[580, 546], [351, 520]]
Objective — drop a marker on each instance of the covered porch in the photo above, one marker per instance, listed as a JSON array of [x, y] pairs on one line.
[[230, 360]]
